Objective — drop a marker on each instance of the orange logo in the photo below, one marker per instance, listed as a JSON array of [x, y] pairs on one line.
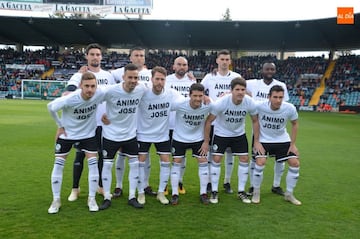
[[345, 15]]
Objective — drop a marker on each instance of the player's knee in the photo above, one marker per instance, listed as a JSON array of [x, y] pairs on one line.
[[294, 162]]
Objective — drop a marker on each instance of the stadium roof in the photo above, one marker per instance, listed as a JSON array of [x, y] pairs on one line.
[[307, 35]]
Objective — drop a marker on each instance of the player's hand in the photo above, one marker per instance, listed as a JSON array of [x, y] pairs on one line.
[[59, 132], [258, 148], [105, 119], [83, 69], [206, 100], [191, 76], [203, 151], [293, 149]]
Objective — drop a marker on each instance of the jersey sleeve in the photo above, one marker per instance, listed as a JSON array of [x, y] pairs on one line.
[[75, 80], [56, 105], [294, 114]]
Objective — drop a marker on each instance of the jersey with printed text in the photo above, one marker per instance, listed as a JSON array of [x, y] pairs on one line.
[[121, 110], [230, 118], [189, 122], [103, 78], [218, 85], [153, 115], [78, 115], [273, 122], [182, 86], [260, 91], [144, 76]]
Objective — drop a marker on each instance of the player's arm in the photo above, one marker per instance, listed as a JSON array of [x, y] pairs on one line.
[[207, 127], [53, 108], [258, 148], [73, 84], [294, 129], [191, 76], [83, 69]]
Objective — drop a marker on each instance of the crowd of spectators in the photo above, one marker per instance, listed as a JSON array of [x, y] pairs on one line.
[[301, 75]]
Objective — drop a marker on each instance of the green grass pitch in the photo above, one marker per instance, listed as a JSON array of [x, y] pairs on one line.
[[329, 187]]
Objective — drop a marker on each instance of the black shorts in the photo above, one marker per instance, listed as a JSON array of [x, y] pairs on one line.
[[63, 146], [98, 136], [238, 145], [278, 150], [161, 147], [129, 148], [178, 149]]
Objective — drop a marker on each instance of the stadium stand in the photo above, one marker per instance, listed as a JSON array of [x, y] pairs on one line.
[[307, 78]]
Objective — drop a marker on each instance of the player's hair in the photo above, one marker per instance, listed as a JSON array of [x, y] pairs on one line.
[[237, 81], [196, 87], [276, 88], [269, 61], [223, 52], [87, 76], [159, 69], [92, 46], [130, 67], [136, 48]]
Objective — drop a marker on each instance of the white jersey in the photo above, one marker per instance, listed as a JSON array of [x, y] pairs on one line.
[[103, 78], [121, 110], [144, 76], [78, 115], [189, 124], [153, 115], [182, 86], [260, 91], [230, 118], [273, 122], [218, 85]]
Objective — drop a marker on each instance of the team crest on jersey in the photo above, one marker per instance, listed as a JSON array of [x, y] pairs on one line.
[[215, 147]]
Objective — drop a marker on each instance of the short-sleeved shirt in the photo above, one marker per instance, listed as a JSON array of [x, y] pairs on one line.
[[218, 85], [230, 118], [121, 110], [180, 85], [260, 91], [103, 78], [189, 122], [153, 115], [78, 115], [144, 76], [273, 122]]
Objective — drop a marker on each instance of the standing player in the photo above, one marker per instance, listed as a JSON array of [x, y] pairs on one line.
[[274, 140], [153, 128], [104, 78], [229, 131], [119, 131], [137, 57], [217, 85], [189, 134], [181, 81], [76, 125], [259, 91]]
